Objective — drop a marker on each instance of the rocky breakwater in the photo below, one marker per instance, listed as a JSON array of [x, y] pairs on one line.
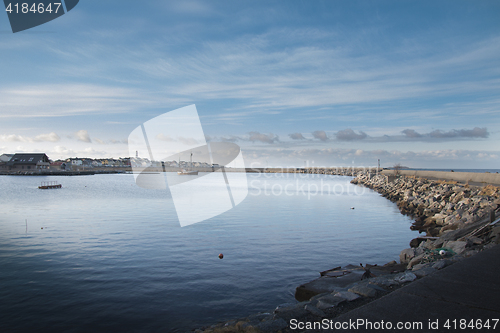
[[456, 218]]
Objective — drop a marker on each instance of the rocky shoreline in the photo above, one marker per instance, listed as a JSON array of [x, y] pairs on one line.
[[455, 221]]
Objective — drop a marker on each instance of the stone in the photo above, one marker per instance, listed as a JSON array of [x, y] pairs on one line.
[[314, 311], [440, 264], [272, 325], [347, 295], [329, 301], [287, 313], [406, 255], [424, 271], [470, 253], [415, 260], [420, 266], [456, 246], [376, 287], [415, 242], [284, 307], [314, 298], [384, 281], [363, 290], [391, 263], [405, 277], [473, 241], [327, 284]]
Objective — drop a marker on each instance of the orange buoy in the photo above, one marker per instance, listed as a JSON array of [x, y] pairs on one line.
[[221, 256]]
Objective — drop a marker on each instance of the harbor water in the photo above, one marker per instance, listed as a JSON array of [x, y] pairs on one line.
[[102, 254]]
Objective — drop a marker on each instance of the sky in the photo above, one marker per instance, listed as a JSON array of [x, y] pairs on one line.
[[293, 83]]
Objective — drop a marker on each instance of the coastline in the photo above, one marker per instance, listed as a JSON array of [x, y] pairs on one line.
[[458, 221]]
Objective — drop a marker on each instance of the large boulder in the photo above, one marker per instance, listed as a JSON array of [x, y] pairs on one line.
[[406, 255], [456, 246]]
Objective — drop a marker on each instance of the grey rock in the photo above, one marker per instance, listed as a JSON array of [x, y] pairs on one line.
[[296, 311], [329, 301], [272, 325], [363, 290], [489, 246], [405, 277], [420, 250], [470, 253], [424, 271], [440, 264], [284, 307], [456, 246], [383, 281], [314, 311], [416, 260], [406, 255], [314, 298], [347, 295], [417, 267], [457, 258]]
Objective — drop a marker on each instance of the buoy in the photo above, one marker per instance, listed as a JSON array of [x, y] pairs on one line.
[[352, 207], [442, 252], [221, 256]]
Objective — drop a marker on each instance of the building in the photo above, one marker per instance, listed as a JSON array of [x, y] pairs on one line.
[[28, 162], [5, 157]]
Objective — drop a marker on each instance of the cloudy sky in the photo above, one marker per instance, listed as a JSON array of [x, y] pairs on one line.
[[335, 83]]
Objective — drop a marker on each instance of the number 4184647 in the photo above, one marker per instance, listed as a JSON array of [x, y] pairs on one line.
[[478, 324], [25, 8]]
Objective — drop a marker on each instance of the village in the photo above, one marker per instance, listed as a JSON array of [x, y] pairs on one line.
[[41, 163]]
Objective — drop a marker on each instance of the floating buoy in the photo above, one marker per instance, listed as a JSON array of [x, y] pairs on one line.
[[42, 227], [352, 207], [221, 256], [442, 252]]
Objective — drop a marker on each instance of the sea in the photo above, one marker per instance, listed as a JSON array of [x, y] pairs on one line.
[[104, 255]]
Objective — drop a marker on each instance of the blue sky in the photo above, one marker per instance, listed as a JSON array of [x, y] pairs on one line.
[[339, 83]]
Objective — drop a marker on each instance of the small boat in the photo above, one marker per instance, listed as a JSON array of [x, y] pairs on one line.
[[49, 185], [188, 172]]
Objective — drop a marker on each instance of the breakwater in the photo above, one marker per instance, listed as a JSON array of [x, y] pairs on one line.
[[455, 221], [477, 178]]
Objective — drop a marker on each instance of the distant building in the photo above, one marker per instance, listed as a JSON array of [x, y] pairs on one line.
[[5, 157], [25, 162], [76, 162]]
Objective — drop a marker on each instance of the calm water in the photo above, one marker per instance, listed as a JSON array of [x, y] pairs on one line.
[[112, 256]]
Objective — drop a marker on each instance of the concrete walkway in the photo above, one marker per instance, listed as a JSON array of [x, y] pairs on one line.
[[467, 290]]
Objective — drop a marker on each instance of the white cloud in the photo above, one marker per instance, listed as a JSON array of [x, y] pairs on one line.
[[265, 138], [350, 135], [83, 135], [50, 137], [321, 135], [63, 150], [296, 136]]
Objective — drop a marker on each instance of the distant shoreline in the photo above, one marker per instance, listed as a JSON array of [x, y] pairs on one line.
[[491, 176]]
